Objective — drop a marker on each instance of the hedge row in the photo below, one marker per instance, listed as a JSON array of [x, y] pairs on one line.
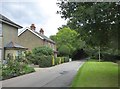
[[60, 60], [48, 61], [45, 61]]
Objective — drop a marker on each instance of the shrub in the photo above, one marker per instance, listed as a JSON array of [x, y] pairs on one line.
[[110, 57], [27, 69], [30, 57], [57, 60], [66, 59], [0, 70], [62, 60], [14, 68], [53, 60], [44, 50], [38, 56], [45, 61]]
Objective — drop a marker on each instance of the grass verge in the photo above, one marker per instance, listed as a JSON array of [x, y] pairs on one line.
[[97, 74]]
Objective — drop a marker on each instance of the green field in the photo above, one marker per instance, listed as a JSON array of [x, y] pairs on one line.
[[97, 74]]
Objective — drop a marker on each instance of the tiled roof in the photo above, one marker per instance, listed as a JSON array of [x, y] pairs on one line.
[[37, 34], [8, 21], [45, 37], [14, 45]]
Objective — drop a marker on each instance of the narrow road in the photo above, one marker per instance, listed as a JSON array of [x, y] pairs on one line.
[[57, 76]]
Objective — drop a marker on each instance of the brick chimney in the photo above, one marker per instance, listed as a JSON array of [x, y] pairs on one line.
[[32, 27], [41, 31]]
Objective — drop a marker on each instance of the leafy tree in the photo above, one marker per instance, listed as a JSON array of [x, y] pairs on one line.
[[64, 50], [67, 41], [97, 22]]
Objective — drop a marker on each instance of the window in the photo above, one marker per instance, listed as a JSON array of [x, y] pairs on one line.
[[0, 29], [19, 53]]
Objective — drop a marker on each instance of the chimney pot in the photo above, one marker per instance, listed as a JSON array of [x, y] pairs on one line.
[[32, 27], [41, 31]]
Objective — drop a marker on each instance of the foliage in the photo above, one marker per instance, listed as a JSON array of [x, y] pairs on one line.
[[80, 54], [66, 59], [96, 22], [43, 50], [30, 57], [97, 74], [57, 60], [45, 61], [0, 70], [38, 53], [64, 50], [15, 68], [53, 60], [110, 57], [60, 60], [43, 56], [67, 41]]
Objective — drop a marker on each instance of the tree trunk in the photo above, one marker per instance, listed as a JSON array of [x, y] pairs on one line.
[[99, 54]]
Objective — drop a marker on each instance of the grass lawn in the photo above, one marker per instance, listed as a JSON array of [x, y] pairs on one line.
[[97, 74]]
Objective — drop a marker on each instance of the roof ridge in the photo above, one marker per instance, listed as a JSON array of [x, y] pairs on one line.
[[8, 21]]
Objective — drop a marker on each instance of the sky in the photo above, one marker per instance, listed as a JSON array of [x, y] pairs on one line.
[[42, 13]]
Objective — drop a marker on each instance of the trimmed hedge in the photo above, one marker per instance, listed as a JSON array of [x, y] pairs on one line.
[[57, 60], [45, 61], [66, 59], [60, 60]]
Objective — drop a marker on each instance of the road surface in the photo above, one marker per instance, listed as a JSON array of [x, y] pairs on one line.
[[56, 76]]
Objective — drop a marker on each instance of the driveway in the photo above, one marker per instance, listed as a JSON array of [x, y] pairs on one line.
[[57, 76]]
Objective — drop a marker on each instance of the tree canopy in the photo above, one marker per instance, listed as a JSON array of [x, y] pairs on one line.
[[67, 41], [97, 22]]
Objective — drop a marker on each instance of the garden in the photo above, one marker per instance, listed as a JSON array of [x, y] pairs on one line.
[[42, 56], [14, 68]]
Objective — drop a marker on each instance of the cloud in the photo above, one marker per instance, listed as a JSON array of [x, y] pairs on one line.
[[40, 12]]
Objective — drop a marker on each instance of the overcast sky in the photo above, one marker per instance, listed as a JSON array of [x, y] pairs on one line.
[[40, 12]]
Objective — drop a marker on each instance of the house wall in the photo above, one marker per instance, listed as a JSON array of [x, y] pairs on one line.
[[1, 49], [10, 33], [13, 53], [49, 44], [1, 43], [30, 40]]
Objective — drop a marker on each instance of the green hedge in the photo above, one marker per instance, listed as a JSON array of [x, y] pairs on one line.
[[66, 59], [60, 60], [57, 60], [45, 61]]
